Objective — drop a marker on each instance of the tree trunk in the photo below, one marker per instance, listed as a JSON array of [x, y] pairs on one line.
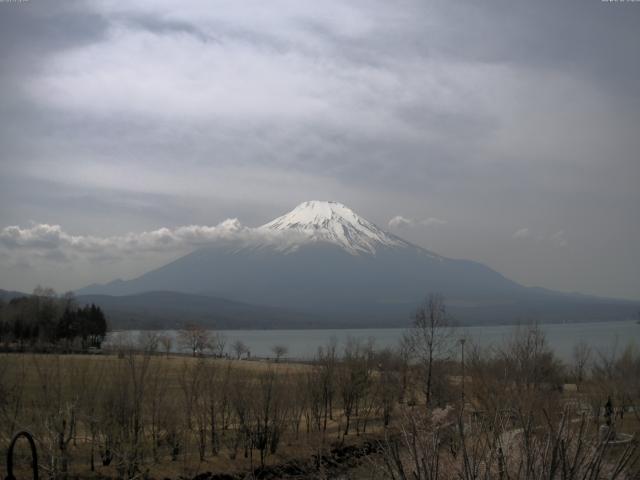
[[428, 392]]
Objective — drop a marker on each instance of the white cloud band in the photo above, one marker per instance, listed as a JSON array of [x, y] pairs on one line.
[[49, 239], [402, 222]]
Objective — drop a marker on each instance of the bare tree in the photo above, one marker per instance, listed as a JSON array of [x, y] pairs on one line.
[[581, 358], [388, 388], [430, 337], [529, 359], [269, 410], [327, 359], [354, 377], [149, 341], [166, 341], [404, 353], [192, 382], [218, 344], [58, 426], [89, 383], [155, 404], [239, 348], [523, 376], [194, 338], [279, 351]]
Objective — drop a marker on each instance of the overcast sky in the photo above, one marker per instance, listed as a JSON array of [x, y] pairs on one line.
[[502, 132]]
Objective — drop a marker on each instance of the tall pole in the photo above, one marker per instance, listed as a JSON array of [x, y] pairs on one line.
[[462, 340]]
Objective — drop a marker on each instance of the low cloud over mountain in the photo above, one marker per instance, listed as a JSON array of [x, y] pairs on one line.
[[44, 239]]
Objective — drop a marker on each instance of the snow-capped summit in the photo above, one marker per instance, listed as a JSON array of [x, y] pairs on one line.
[[333, 222]]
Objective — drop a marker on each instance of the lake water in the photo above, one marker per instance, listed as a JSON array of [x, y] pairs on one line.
[[303, 344]]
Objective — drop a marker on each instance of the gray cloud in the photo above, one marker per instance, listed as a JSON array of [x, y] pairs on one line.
[[120, 117], [558, 238]]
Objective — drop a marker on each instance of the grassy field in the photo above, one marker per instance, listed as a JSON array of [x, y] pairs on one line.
[[46, 394], [133, 415]]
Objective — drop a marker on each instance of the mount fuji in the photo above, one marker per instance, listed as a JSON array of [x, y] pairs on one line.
[[323, 264], [333, 223]]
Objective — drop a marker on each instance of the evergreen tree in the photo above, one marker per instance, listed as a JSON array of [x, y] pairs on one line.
[[48, 319]]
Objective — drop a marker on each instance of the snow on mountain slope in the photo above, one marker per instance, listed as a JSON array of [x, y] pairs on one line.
[[333, 222]]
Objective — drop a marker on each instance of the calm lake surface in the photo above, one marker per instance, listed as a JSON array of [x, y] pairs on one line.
[[303, 344]]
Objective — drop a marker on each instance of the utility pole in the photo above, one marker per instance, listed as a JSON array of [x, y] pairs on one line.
[[461, 418], [462, 341]]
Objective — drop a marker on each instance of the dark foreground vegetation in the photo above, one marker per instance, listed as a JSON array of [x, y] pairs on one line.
[[45, 321], [435, 407]]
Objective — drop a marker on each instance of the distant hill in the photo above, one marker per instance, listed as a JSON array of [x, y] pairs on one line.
[[171, 310], [7, 295]]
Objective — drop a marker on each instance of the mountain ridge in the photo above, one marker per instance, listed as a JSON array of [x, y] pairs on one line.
[[323, 258]]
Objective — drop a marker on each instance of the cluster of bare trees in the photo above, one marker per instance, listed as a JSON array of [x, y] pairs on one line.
[[193, 339], [503, 412], [124, 414], [522, 416], [448, 445]]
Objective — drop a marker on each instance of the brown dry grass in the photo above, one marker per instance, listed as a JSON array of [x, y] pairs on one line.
[[35, 373]]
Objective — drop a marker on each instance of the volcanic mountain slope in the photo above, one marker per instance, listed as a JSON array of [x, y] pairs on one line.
[[324, 259]]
